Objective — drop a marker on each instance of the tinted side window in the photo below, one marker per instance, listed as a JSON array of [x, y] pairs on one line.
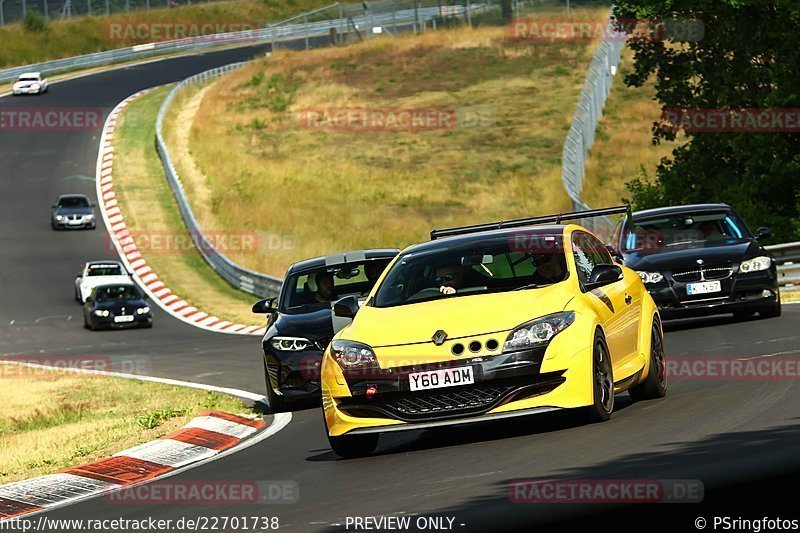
[[600, 251], [585, 257]]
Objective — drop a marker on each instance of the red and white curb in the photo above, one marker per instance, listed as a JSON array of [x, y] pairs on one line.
[[204, 437], [129, 252]]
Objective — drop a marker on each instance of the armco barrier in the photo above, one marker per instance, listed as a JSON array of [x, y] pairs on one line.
[[356, 15], [788, 258]]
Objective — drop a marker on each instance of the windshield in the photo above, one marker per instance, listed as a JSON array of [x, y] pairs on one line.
[[491, 265], [654, 234], [322, 286], [117, 292], [104, 270], [73, 201]]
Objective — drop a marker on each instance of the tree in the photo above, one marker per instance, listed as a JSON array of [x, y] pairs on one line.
[[747, 57]]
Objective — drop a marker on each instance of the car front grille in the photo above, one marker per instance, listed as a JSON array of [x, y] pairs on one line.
[[444, 401], [711, 273]]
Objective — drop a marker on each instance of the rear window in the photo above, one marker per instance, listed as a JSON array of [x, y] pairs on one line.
[[104, 270]]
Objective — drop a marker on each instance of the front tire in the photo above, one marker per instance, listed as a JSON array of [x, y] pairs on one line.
[[655, 384], [351, 446], [602, 383]]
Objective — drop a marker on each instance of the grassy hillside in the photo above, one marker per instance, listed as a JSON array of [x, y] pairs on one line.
[[84, 35], [257, 165]]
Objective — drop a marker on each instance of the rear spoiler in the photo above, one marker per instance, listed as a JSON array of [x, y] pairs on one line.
[[547, 219]]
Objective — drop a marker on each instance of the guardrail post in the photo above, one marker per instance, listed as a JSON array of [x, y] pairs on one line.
[[305, 20], [45, 10], [2, 18], [469, 15], [24, 9], [342, 24], [108, 8]]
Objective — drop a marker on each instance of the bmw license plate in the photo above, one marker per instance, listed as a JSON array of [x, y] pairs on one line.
[[123, 318], [437, 379], [703, 287]]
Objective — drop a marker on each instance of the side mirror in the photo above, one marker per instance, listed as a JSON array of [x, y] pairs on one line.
[[265, 306], [347, 307], [763, 233], [603, 275]]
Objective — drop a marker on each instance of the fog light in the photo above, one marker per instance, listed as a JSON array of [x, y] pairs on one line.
[[766, 293]]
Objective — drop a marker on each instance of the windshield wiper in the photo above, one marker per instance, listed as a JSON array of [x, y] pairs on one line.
[[528, 286]]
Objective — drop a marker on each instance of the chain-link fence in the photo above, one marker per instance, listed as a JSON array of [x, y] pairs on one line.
[[580, 138], [16, 10]]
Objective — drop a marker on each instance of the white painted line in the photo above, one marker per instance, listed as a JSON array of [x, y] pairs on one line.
[[219, 425]]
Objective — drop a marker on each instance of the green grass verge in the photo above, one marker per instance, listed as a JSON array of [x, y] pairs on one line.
[[150, 208], [53, 420]]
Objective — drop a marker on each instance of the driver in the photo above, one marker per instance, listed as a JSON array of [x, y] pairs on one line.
[[324, 291], [549, 269], [449, 278]]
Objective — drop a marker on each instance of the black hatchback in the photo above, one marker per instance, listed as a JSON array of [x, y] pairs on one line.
[[698, 260], [301, 321]]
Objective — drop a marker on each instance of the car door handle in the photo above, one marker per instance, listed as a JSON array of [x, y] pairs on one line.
[[628, 299]]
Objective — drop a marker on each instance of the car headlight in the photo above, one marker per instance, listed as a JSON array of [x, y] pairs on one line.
[[88, 217], [352, 355], [59, 217], [143, 310], [538, 332], [102, 312], [290, 344], [650, 277], [754, 265]]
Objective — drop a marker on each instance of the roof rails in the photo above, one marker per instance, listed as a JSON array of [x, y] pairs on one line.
[[548, 219]]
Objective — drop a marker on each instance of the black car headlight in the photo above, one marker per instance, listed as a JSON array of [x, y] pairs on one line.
[[290, 344], [755, 265], [538, 332], [352, 355]]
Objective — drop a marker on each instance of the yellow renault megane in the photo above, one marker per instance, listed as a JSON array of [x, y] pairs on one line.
[[487, 322]]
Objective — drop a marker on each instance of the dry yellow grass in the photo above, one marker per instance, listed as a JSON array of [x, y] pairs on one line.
[[150, 209], [623, 141], [315, 192], [52, 420]]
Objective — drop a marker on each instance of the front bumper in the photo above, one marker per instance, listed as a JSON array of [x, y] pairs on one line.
[[68, 224], [293, 375], [756, 291], [514, 384], [139, 321]]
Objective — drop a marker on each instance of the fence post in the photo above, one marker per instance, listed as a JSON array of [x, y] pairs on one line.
[[305, 20], [46, 11], [416, 16], [24, 9], [108, 8], [469, 15], [342, 23], [2, 18]]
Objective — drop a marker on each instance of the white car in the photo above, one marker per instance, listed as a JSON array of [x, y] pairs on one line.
[[95, 273], [30, 83]]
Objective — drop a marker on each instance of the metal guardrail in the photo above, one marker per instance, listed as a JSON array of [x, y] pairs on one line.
[[358, 15], [591, 101], [788, 258], [247, 280]]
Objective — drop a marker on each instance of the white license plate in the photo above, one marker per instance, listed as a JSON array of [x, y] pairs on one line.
[[437, 379], [74, 222], [123, 318], [704, 287]]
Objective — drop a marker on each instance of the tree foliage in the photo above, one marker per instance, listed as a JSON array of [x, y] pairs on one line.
[[748, 57]]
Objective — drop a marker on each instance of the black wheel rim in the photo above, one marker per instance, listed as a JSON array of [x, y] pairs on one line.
[[605, 385], [659, 358]]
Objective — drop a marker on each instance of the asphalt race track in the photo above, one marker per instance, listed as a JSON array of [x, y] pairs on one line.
[[737, 437]]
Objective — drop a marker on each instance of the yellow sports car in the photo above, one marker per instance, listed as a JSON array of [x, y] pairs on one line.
[[487, 322]]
